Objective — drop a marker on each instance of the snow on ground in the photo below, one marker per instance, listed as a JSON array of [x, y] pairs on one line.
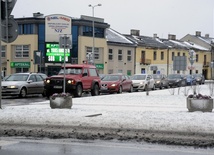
[[160, 110]]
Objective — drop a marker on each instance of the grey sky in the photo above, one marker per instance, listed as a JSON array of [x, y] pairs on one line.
[[163, 17]]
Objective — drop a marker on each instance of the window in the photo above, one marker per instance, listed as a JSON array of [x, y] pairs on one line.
[[3, 51], [173, 54], [196, 58], [93, 72], [22, 70], [129, 72], [154, 55], [110, 54], [98, 32], [33, 78], [26, 29], [162, 55], [110, 71], [178, 53], [184, 54], [22, 51], [96, 53], [120, 71], [129, 55], [120, 55]]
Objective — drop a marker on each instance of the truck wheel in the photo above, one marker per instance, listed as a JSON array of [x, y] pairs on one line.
[[78, 91], [95, 90]]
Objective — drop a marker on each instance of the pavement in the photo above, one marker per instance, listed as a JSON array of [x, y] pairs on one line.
[[159, 117]]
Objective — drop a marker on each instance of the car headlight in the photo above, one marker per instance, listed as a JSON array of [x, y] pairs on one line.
[[157, 81], [12, 86], [71, 81], [141, 82], [113, 85], [48, 81]]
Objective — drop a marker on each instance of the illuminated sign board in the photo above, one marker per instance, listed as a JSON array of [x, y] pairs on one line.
[[54, 54]]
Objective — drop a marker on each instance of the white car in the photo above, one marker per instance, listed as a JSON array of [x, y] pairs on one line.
[[143, 82]]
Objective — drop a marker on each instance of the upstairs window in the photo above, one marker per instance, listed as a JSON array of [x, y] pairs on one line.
[[22, 51]]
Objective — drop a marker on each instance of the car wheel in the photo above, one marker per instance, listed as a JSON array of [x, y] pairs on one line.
[[44, 93], [131, 89], [95, 90], [153, 87], [120, 90], [78, 91], [23, 93]]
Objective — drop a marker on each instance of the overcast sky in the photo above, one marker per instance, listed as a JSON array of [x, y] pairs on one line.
[[161, 17]]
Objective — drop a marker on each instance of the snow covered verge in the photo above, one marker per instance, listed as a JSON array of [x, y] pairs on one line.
[[157, 117]]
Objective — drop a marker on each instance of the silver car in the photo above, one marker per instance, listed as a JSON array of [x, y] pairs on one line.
[[23, 84]]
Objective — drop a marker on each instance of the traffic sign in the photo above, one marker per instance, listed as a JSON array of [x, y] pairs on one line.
[[12, 30]]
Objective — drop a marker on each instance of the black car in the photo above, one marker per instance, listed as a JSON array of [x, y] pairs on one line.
[[176, 80], [161, 81], [199, 78]]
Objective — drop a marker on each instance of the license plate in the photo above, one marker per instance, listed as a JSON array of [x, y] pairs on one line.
[[103, 88], [58, 87]]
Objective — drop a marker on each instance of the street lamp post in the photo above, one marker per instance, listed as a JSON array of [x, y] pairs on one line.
[[93, 6]]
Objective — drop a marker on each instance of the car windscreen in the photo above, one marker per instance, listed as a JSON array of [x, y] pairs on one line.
[[71, 71], [157, 76], [138, 77], [111, 78], [174, 76], [17, 77]]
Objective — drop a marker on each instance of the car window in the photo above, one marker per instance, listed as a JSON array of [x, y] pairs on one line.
[[33, 78], [39, 78], [17, 77], [138, 77], [93, 72]]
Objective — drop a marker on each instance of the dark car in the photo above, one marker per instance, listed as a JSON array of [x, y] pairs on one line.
[[199, 78], [176, 80], [116, 83], [190, 80], [161, 81]]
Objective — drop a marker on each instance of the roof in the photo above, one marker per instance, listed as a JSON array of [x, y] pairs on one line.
[[113, 36], [147, 41]]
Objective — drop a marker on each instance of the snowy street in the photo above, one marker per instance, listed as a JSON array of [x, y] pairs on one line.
[[159, 116]]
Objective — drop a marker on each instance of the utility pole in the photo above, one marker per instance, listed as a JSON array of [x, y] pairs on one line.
[[9, 28]]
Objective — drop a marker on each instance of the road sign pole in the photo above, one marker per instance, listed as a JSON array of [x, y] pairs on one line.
[[0, 60]]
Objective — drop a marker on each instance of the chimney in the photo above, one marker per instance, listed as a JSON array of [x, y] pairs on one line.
[[155, 35], [198, 33], [172, 37], [135, 32], [38, 15], [207, 36]]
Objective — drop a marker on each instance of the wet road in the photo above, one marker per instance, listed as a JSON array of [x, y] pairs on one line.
[[15, 101], [24, 146]]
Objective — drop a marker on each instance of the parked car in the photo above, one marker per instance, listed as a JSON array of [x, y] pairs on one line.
[[199, 78], [116, 83], [161, 81], [23, 84], [190, 80], [176, 80], [143, 82]]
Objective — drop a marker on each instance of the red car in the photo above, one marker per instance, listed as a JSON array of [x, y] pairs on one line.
[[116, 83]]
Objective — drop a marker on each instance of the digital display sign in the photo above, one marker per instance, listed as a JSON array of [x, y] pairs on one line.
[[54, 54]]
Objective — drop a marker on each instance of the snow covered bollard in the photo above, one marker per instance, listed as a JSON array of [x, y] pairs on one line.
[[61, 101], [199, 102]]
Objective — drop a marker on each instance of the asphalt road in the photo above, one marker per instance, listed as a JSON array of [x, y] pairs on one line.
[[31, 146]]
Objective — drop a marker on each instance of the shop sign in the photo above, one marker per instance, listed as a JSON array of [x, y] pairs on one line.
[[20, 64]]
